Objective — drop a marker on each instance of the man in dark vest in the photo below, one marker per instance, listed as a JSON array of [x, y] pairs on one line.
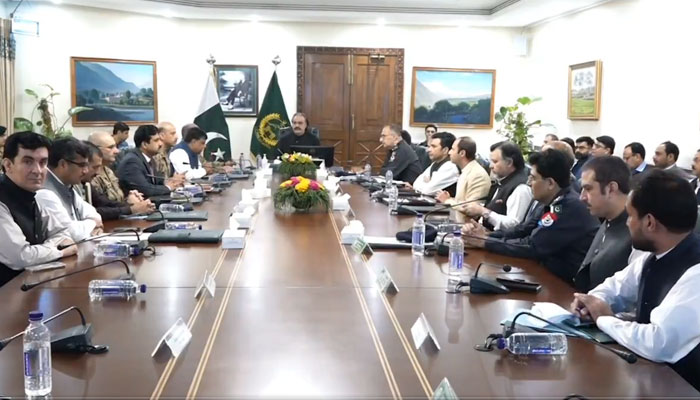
[[510, 198], [185, 155], [605, 182], [29, 234], [299, 136], [662, 285], [441, 174]]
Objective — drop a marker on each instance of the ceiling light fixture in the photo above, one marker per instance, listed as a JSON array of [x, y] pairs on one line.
[[381, 21], [57, 2], [254, 19]]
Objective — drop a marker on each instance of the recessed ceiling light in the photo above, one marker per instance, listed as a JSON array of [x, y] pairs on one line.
[[381, 21], [254, 19], [56, 1]]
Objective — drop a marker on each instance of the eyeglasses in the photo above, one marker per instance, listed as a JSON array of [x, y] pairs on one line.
[[83, 164]]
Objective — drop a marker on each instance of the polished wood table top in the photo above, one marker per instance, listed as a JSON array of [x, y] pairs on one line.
[[296, 314]]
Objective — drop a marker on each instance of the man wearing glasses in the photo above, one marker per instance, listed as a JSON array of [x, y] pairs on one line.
[[106, 181], [68, 164]]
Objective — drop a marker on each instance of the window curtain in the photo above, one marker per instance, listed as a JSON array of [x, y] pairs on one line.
[[7, 74]]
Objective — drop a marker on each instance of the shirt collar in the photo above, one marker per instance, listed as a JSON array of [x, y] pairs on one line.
[[669, 167], [641, 166], [57, 178], [148, 159]]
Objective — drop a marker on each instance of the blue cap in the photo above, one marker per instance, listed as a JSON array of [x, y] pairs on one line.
[[142, 288], [457, 233], [36, 316], [501, 344]]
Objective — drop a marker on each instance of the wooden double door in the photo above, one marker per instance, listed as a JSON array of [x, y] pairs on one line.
[[349, 94]]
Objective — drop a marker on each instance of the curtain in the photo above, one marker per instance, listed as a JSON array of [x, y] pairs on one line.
[[7, 74]]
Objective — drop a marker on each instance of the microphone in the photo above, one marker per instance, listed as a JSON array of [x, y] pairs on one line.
[[73, 340], [487, 285], [29, 286], [625, 355], [114, 232], [440, 207]]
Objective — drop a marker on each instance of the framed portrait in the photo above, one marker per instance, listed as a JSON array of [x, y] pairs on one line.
[[237, 87], [116, 90], [584, 90], [451, 97]]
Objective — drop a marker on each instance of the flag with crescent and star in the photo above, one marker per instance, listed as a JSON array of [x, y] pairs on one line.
[[210, 117], [271, 119]]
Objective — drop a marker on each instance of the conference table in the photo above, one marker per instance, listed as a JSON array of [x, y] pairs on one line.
[[297, 314]]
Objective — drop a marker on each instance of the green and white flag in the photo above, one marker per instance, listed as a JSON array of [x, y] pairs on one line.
[[210, 117], [271, 119]]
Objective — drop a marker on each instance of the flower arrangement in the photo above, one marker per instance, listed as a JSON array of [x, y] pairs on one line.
[[297, 164], [302, 194]]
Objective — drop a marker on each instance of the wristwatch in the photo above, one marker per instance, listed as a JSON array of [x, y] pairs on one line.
[[485, 214]]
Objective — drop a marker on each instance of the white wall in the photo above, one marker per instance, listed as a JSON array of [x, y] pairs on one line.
[[650, 72], [180, 48]]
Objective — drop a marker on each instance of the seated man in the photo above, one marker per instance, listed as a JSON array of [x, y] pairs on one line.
[[29, 233], [421, 152], [300, 136], [168, 135], [473, 183], [584, 144], [659, 287], [566, 229], [603, 146], [633, 155], [605, 182], [108, 209], [510, 197], [550, 137], [185, 155], [442, 173], [429, 130], [696, 171], [566, 149], [401, 160], [120, 133], [68, 164], [666, 157], [2, 139], [137, 170]]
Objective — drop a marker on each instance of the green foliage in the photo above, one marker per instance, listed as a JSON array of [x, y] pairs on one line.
[[303, 201], [47, 121], [475, 112], [514, 125]]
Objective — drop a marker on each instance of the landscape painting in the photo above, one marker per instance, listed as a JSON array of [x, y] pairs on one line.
[[237, 86], [584, 90], [116, 90], [449, 97]]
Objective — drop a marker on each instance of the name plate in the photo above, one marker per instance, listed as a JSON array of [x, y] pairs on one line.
[[421, 331], [384, 281], [207, 284], [444, 391], [176, 339], [360, 246]]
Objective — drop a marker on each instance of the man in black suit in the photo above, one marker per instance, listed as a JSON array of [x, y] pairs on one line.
[[695, 183], [634, 158], [300, 136], [137, 171]]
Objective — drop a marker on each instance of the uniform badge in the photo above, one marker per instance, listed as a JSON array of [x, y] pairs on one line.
[[393, 156], [548, 219], [557, 209]]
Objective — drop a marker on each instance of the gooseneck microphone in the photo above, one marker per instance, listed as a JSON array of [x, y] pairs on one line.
[[447, 206], [114, 232], [29, 286]]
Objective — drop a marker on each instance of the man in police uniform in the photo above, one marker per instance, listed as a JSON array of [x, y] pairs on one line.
[[401, 160], [605, 182], [566, 229]]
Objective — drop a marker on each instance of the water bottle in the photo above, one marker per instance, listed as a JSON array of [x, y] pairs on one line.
[[111, 250], [535, 343], [240, 162], [389, 179], [114, 289], [258, 160], [367, 173], [182, 225], [169, 207], [37, 356], [456, 263], [418, 237], [393, 192]]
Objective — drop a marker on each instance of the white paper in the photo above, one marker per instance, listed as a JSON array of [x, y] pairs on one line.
[[176, 338]]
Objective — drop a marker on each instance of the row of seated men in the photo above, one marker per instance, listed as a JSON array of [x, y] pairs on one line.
[[620, 234], [59, 192]]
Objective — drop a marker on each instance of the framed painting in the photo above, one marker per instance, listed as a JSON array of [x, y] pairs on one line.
[[237, 87], [116, 90], [451, 97], [584, 90]]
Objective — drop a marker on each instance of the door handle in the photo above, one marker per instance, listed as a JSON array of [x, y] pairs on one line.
[[352, 122]]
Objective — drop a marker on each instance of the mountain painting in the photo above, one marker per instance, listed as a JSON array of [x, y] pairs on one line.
[[459, 98], [116, 90]]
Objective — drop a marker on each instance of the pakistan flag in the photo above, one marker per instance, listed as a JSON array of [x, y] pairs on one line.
[[271, 119], [210, 117]]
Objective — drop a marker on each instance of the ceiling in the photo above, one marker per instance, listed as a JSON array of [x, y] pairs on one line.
[[496, 13]]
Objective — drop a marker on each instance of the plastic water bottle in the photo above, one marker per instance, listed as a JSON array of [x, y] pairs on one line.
[[535, 343], [456, 263], [389, 179], [240, 162], [393, 192], [111, 250], [169, 207], [258, 160], [182, 225], [418, 237], [114, 289], [37, 356], [367, 173]]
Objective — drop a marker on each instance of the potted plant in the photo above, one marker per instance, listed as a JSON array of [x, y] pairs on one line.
[[297, 164], [47, 122], [301, 194], [515, 126]]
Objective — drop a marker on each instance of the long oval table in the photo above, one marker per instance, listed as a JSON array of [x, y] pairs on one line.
[[297, 314]]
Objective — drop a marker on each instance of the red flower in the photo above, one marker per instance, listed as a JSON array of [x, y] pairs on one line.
[[314, 185], [295, 180]]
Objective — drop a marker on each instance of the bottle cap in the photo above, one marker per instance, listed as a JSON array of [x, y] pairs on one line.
[[457, 233], [419, 215], [501, 343], [36, 315], [142, 288]]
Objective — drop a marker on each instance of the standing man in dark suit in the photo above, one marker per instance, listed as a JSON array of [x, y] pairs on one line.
[[137, 171], [584, 144]]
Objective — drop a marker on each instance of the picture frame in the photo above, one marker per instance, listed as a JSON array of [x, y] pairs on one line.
[[237, 88], [584, 90], [453, 97], [117, 90]]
